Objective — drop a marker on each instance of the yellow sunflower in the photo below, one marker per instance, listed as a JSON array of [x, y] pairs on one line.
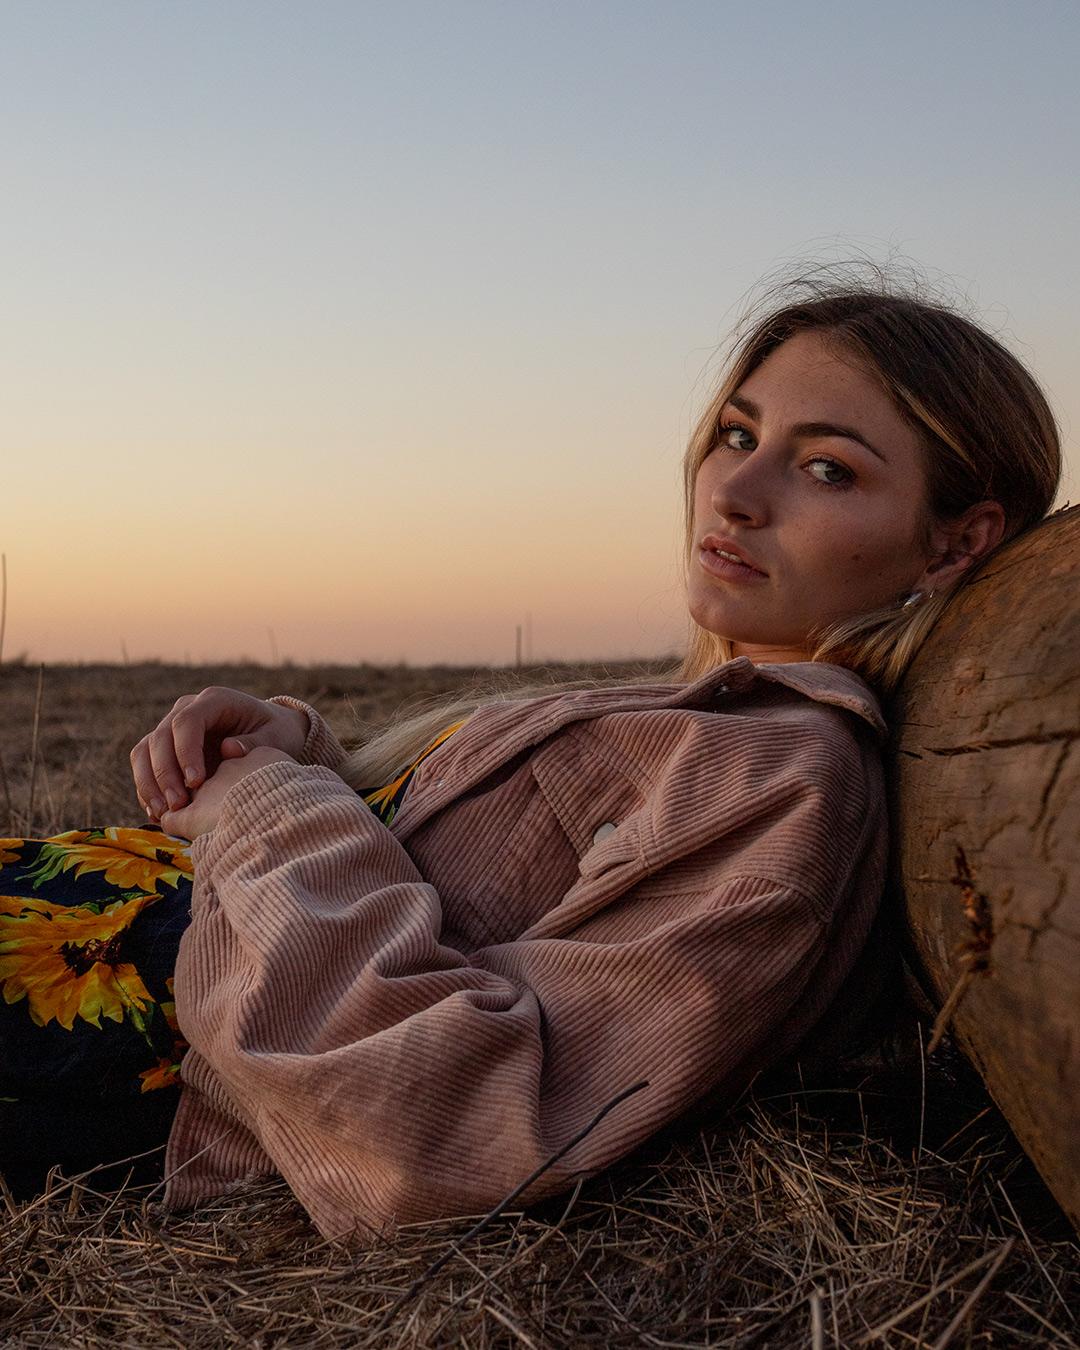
[[7, 853], [129, 858], [165, 1073], [168, 1009], [65, 961]]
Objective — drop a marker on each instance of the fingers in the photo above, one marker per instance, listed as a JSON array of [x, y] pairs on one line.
[[168, 823], [189, 727], [182, 751], [165, 767], [232, 747], [175, 823], [150, 798], [155, 769]]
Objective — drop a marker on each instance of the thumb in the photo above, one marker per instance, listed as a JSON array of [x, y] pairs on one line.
[[234, 747]]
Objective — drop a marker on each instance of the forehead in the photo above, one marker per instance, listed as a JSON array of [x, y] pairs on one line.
[[811, 378]]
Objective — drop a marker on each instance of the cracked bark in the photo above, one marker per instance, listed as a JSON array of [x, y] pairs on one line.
[[984, 781]]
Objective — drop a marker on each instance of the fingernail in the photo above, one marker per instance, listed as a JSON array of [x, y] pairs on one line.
[[189, 777], [157, 806]]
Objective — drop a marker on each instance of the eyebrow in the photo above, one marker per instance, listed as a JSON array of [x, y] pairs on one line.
[[751, 409]]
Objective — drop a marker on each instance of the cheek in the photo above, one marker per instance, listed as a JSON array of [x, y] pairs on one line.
[[848, 554], [701, 488], [879, 561]]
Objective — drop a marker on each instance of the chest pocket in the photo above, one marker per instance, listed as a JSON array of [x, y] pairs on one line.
[[507, 853], [594, 793]]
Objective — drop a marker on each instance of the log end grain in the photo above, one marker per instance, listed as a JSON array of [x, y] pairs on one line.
[[985, 796]]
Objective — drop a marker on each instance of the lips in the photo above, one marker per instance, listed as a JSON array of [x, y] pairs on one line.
[[714, 543]]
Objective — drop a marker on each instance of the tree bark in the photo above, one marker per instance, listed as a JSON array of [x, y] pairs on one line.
[[985, 792]]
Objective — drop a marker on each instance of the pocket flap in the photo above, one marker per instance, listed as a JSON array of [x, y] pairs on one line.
[[586, 790]]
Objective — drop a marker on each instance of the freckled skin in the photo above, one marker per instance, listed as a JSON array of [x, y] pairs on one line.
[[829, 552]]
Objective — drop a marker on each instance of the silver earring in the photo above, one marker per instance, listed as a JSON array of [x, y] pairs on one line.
[[916, 597]]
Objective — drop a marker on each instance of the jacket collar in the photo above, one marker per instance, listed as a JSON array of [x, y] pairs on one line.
[[500, 730], [823, 682]]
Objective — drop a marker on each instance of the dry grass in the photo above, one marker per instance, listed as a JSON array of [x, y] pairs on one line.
[[891, 1208], [64, 765]]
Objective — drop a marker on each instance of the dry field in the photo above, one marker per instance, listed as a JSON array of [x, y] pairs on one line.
[[883, 1205]]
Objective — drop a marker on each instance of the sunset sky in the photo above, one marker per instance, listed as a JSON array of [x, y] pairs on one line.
[[375, 327]]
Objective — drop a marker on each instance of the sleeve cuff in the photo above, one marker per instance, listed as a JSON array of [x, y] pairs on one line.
[[322, 747]]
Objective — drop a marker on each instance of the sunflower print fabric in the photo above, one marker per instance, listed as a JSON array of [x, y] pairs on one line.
[[90, 924], [90, 1049], [386, 801]]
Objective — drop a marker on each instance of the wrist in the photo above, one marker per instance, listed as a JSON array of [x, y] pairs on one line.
[[321, 746], [296, 726]]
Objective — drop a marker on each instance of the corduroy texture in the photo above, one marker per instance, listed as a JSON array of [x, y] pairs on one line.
[[405, 1022]]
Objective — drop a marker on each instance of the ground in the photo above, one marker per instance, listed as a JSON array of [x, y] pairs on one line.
[[884, 1203]]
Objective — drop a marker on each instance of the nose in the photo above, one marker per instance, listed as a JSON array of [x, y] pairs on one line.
[[741, 490]]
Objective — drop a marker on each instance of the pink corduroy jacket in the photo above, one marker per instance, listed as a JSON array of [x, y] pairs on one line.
[[582, 891]]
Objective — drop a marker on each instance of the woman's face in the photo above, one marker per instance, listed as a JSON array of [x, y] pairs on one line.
[[818, 482]]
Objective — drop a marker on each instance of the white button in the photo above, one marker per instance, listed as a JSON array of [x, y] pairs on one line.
[[602, 831]]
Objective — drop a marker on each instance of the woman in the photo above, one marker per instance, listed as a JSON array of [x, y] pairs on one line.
[[408, 1000]]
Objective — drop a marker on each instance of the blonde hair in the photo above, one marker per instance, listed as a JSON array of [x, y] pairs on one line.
[[392, 747], [987, 432]]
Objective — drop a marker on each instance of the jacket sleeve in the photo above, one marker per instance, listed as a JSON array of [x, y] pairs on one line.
[[388, 1077], [321, 746]]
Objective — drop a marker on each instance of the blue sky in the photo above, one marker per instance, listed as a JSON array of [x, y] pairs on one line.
[[330, 294]]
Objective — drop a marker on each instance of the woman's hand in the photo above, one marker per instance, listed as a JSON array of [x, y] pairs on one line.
[[201, 731], [201, 816]]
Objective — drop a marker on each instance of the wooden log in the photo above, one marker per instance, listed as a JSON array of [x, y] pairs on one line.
[[985, 793]]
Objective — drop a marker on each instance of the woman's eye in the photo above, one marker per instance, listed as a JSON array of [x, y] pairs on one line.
[[832, 473], [735, 437]]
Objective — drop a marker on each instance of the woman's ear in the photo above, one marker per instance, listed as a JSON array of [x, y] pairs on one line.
[[960, 543]]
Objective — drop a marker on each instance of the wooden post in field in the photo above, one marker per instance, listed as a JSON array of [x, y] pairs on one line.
[[985, 798], [517, 648]]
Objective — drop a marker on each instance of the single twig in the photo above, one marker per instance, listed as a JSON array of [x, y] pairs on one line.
[[504, 1204], [922, 1122], [7, 796], [3, 602], [817, 1321], [34, 750], [50, 801], [949, 1007]]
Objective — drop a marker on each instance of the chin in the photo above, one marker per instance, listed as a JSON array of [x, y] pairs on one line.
[[708, 614], [717, 620], [743, 633]]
